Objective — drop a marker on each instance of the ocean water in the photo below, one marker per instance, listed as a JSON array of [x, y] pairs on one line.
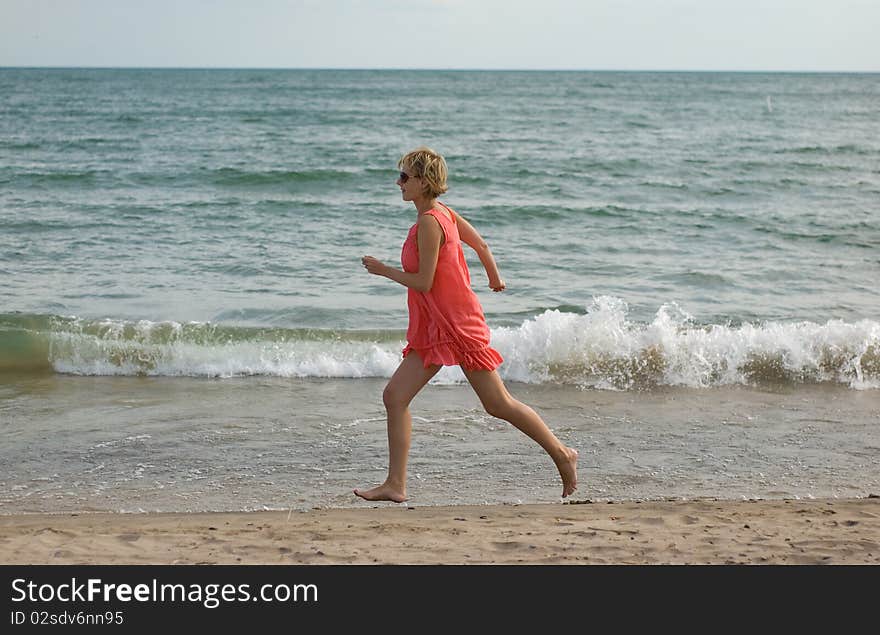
[[692, 265]]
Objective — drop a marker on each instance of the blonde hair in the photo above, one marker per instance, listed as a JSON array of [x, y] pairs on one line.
[[430, 166]]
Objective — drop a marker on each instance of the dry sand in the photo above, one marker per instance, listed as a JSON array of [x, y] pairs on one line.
[[833, 531]]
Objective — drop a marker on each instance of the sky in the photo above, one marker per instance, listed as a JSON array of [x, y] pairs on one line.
[[736, 35]]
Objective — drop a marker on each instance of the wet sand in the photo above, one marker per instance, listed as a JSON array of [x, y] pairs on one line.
[[831, 531]]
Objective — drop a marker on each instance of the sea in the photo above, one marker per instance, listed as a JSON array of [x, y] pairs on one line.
[[692, 264]]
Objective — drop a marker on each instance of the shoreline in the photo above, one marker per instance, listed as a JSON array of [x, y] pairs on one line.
[[122, 444], [701, 531]]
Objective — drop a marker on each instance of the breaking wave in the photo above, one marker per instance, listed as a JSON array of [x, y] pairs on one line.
[[599, 348]]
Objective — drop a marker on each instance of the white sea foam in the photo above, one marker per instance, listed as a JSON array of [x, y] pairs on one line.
[[604, 348], [600, 348]]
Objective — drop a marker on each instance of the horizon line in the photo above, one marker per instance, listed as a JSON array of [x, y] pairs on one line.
[[439, 69]]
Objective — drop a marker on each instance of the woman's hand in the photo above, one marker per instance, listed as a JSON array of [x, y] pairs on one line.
[[376, 267], [497, 285]]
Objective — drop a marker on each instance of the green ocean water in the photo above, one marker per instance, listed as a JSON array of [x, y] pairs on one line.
[[170, 233]]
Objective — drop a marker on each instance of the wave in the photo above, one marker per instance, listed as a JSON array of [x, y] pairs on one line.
[[604, 349], [819, 149], [238, 177], [72, 177], [600, 348]]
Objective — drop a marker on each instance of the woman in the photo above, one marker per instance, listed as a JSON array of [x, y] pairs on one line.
[[446, 324]]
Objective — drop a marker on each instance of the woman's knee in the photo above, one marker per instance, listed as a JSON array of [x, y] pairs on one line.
[[499, 407], [393, 398]]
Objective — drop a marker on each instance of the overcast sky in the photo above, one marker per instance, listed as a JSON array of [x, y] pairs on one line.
[[795, 35]]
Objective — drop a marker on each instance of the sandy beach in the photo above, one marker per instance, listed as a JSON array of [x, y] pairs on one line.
[[832, 531]]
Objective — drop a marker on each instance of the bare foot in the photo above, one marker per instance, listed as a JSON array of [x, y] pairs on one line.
[[568, 471], [382, 493]]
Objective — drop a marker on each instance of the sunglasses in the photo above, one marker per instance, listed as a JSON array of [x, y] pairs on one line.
[[404, 177]]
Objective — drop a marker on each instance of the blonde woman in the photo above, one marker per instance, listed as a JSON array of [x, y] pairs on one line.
[[446, 324]]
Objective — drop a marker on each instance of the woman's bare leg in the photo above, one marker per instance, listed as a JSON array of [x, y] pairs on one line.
[[409, 378], [499, 403]]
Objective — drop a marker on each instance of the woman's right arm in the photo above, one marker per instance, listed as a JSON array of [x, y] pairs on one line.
[[429, 236], [471, 237]]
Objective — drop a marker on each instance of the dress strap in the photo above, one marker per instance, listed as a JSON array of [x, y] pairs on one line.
[[447, 225], [451, 213]]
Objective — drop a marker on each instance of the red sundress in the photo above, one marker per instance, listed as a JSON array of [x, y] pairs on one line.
[[446, 324]]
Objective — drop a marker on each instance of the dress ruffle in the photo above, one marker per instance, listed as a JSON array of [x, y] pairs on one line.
[[446, 354]]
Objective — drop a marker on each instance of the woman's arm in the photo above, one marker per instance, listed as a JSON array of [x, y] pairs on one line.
[[430, 235], [471, 236]]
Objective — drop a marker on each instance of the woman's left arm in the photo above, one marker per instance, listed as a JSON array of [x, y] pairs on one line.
[[430, 234], [471, 237]]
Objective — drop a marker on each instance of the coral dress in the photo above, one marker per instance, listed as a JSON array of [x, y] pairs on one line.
[[446, 324]]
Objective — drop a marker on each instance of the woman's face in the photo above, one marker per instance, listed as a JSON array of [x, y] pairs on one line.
[[410, 185]]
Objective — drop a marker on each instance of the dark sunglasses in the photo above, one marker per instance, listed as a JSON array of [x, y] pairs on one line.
[[404, 177]]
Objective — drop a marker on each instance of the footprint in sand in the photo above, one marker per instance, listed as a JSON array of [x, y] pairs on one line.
[[651, 520], [507, 546]]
